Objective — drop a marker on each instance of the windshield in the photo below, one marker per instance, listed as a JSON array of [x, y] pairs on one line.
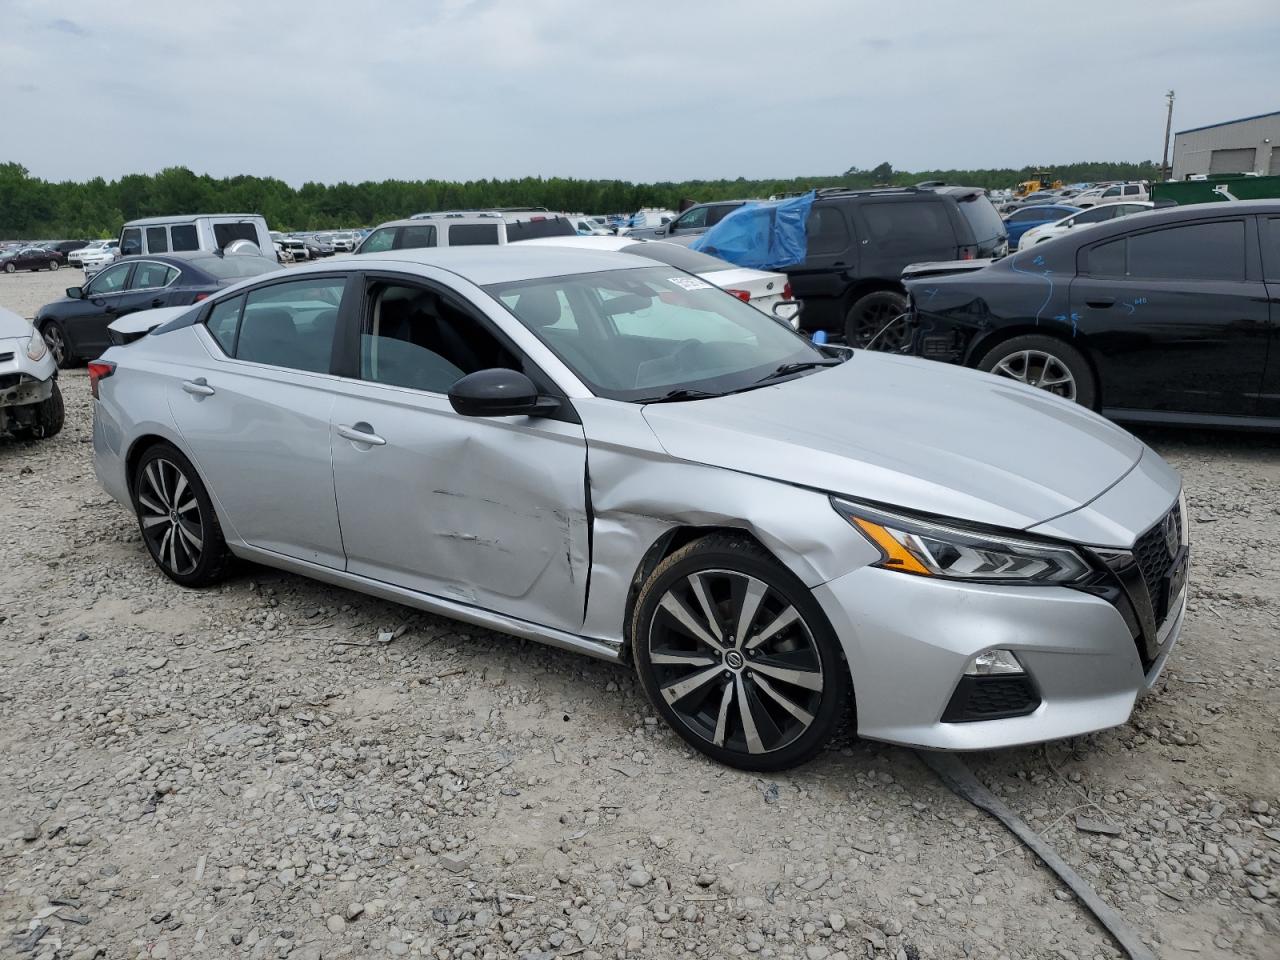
[[638, 335], [539, 227], [981, 216]]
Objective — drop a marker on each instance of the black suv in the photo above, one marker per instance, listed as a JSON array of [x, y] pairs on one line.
[[860, 240]]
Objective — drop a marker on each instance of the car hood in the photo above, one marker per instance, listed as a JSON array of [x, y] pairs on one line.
[[915, 434], [13, 325]]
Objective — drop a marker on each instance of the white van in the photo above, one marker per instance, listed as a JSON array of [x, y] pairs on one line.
[[208, 232]]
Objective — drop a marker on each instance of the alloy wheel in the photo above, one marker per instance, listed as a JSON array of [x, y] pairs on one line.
[[875, 329], [53, 340], [735, 661], [53, 264], [170, 516], [1039, 369]]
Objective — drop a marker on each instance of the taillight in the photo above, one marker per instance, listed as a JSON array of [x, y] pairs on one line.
[[199, 297], [968, 253], [743, 295], [99, 370], [786, 291]]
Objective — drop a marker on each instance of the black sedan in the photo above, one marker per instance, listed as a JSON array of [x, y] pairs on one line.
[[1171, 316], [30, 258], [75, 327]]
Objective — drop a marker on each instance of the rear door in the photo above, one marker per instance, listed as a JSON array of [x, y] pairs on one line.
[[255, 414], [1177, 317], [1269, 399]]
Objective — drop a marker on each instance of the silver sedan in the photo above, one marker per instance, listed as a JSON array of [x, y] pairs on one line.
[[617, 458]]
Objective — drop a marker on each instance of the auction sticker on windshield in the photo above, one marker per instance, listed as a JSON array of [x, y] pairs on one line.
[[689, 283]]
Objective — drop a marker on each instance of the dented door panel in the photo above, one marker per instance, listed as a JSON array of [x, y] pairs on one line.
[[485, 511]]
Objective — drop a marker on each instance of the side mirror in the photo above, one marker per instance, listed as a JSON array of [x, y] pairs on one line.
[[75, 293], [499, 392]]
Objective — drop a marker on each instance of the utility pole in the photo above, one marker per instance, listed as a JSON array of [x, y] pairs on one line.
[[1168, 126]]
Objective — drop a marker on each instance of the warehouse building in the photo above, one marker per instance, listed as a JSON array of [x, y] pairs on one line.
[[1236, 146]]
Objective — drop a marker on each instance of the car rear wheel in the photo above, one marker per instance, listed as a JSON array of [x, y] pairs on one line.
[[869, 322], [53, 264], [1044, 362], [736, 655], [56, 340], [176, 518]]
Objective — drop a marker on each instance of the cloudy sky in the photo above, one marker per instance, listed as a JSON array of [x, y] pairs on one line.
[[641, 90]]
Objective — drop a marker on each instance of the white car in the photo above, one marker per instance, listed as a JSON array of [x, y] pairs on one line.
[[92, 262], [1113, 193], [30, 402], [768, 292], [75, 257], [1098, 213]]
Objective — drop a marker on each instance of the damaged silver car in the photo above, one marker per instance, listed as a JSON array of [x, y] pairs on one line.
[[30, 402], [617, 458]]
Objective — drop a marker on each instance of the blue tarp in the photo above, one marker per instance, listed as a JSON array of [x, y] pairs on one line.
[[766, 236]]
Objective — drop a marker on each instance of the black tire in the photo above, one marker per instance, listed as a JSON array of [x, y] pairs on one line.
[[1035, 359], [50, 415], [764, 672], [869, 318], [182, 534], [10, 267], [54, 265], [55, 338]]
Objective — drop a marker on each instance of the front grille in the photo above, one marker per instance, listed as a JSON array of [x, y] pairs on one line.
[[1153, 554], [991, 698]]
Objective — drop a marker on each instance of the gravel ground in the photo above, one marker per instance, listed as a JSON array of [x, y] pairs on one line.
[[251, 771]]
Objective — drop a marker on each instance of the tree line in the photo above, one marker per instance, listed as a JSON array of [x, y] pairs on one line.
[[32, 208]]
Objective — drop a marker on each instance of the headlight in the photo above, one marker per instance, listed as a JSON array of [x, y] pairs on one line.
[[36, 347], [928, 549]]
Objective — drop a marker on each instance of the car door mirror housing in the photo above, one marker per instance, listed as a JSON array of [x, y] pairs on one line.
[[75, 293], [499, 392]]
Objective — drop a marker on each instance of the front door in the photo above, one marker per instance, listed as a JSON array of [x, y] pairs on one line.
[[254, 413], [87, 319], [485, 511], [831, 260], [1177, 317]]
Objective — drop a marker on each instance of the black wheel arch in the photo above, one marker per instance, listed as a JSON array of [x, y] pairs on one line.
[[982, 344]]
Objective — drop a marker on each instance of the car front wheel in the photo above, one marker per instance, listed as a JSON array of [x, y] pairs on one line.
[[736, 655], [176, 518], [56, 340], [1044, 362], [9, 267]]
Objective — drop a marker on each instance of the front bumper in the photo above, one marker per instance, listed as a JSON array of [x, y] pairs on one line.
[[23, 380], [908, 640]]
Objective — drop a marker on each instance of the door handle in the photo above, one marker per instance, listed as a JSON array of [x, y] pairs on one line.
[[198, 387], [157, 302], [1101, 303], [361, 433]]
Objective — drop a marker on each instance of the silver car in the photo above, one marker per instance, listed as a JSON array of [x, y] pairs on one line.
[[614, 457]]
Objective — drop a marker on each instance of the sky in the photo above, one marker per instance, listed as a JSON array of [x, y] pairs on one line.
[[644, 90]]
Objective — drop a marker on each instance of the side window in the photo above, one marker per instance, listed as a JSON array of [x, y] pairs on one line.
[[130, 242], [291, 324], [415, 338], [1270, 247], [183, 237], [1026, 213], [693, 220], [149, 275], [1111, 192], [472, 234], [379, 240], [827, 230], [223, 321], [1132, 191], [110, 280], [1106, 259], [1096, 214], [906, 227], [1196, 251], [157, 240], [412, 238], [716, 214]]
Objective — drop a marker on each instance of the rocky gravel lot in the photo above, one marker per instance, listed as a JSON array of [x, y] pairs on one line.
[[276, 768]]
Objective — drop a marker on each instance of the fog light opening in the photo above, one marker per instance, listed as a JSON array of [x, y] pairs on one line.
[[991, 663]]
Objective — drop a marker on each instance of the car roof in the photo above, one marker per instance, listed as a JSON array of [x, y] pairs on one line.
[[484, 265], [188, 218], [1170, 215]]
